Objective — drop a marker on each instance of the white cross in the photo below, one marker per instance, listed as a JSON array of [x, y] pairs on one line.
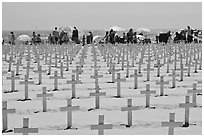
[[10, 61], [147, 92], [187, 106], [148, 69], [158, 67], [5, 113], [112, 71], [26, 82], [101, 126], [96, 76], [13, 78], [28, 68], [194, 91], [44, 95], [77, 71], [73, 82], [40, 71], [25, 130], [118, 80], [17, 66], [129, 109], [182, 69], [135, 75], [69, 108], [97, 94], [162, 83], [171, 124], [55, 77], [174, 75]]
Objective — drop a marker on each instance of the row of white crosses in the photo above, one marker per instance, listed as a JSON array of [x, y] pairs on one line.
[[145, 93]]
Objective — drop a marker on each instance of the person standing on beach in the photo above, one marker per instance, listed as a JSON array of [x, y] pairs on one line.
[[55, 34], [75, 35], [189, 35], [34, 38], [12, 38]]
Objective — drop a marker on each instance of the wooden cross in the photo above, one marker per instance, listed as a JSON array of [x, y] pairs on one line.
[[40, 71], [44, 95], [55, 77], [182, 69], [194, 91], [148, 69], [118, 80], [25, 130], [97, 94], [73, 82], [174, 75], [135, 75], [162, 83], [129, 109], [26, 83], [147, 92], [171, 124], [13, 78], [5, 113], [69, 108], [187, 106], [28, 68], [101, 126]]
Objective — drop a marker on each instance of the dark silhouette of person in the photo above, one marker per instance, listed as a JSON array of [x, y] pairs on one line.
[[55, 34], [75, 35]]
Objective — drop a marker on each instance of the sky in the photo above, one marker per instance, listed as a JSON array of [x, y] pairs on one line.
[[100, 15]]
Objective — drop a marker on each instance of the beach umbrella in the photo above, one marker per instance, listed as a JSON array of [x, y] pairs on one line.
[[66, 28], [143, 30], [97, 38], [140, 37], [24, 38], [116, 28]]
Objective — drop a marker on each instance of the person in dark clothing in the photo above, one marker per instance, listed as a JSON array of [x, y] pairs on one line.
[[50, 39], [75, 35], [34, 38], [91, 36], [61, 36], [12, 38], [55, 34], [38, 39], [112, 36], [83, 40], [130, 36], [106, 37], [189, 35]]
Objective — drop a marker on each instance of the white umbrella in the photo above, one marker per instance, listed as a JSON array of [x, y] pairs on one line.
[[95, 38], [116, 28], [66, 28], [140, 37], [143, 30], [24, 38]]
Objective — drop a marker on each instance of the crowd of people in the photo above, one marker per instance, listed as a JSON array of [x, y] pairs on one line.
[[59, 37], [129, 37]]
